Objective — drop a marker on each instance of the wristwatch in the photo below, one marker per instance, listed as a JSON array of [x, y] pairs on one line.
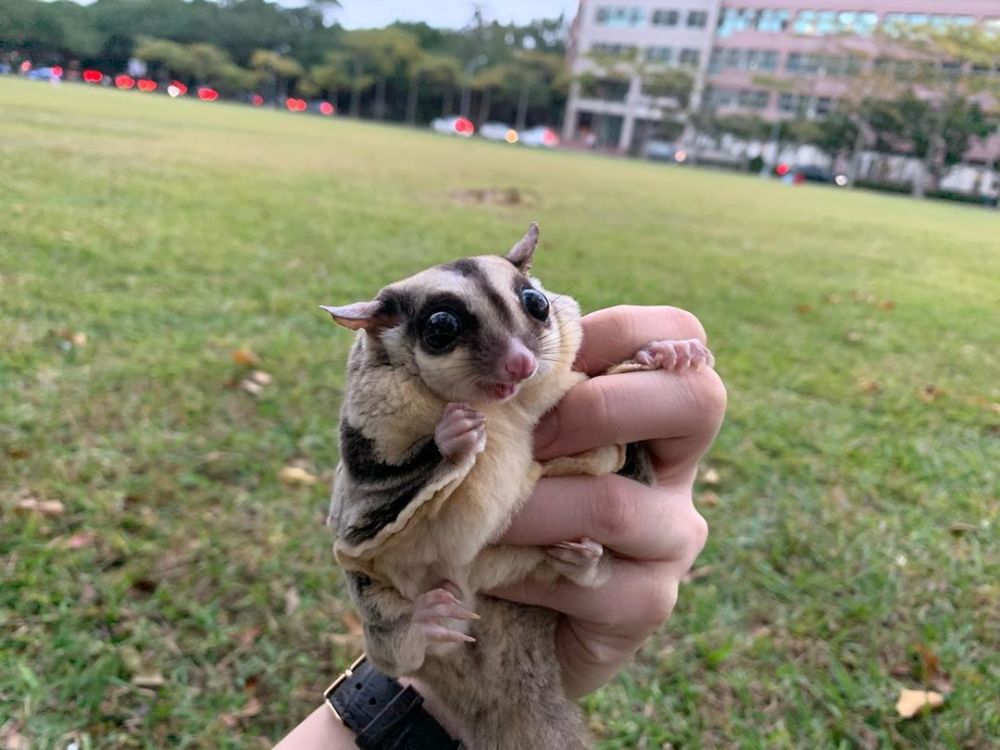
[[382, 713]]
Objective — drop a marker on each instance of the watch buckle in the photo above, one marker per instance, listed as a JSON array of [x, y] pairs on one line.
[[341, 679]]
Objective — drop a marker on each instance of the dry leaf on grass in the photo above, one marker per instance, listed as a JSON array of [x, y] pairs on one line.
[[887, 305], [296, 476], [854, 337], [46, 508], [960, 527], [708, 499], [244, 356], [148, 680], [710, 476], [803, 309], [912, 702], [292, 601], [79, 540], [11, 737], [930, 393], [249, 636], [867, 385], [260, 377], [251, 387], [252, 708]]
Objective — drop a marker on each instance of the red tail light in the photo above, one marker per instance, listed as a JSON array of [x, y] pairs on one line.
[[326, 109], [124, 82], [207, 95], [93, 76], [146, 85], [464, 126], [57, 71], [295, 105], [781, 170], [256, 100], [549, 138]]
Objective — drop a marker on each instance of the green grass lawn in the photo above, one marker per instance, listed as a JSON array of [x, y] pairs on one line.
[[187, 598]]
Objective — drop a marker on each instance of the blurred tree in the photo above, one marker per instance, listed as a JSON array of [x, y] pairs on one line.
[[276, 70], [166, 59], [375, 54], [430, 66]]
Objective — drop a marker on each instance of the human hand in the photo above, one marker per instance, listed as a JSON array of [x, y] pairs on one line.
[[654, 533]]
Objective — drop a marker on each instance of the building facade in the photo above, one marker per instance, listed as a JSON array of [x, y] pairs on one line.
[[779, 59]]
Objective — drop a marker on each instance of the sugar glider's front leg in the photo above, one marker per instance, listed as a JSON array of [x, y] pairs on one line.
[[400, 633]]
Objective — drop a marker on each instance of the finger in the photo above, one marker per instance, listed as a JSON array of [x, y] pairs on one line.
[[635, 595], [612, 335], [630, 407], [636, 521]]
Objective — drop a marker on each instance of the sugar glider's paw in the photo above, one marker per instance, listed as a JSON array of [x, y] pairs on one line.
[[461, 432], [675, 355], [435, 614], [583, 562]]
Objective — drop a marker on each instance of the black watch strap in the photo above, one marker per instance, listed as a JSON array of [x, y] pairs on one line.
[[383, 714]]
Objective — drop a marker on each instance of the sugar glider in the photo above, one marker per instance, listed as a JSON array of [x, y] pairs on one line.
[[450, 373]]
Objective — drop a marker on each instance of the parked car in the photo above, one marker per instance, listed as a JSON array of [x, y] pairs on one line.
[[461, 126], [809, 173], [540, 137], [498, 131], [44, 74], [665, 151]]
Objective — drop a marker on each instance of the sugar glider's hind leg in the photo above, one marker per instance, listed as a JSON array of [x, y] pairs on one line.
[[506, 688], [400, 633]]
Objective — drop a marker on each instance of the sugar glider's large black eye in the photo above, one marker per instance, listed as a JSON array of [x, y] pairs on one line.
[[536, 303], [441, 331]]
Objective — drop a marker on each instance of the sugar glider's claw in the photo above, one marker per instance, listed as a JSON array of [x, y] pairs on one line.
[[435, 611], [675, 355], [582, 562], [461, 431]]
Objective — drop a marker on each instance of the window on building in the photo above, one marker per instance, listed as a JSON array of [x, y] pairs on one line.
[[664, 17], [731, 57], [618, 16], [862, 24], [773, 20], [824, 105], [697, 19], [769, 61], [690, 57], [662, 55], [715, 60], [735, 20], [753, 98], [607, 89], [720, 97], [618, 51], [793, 104]]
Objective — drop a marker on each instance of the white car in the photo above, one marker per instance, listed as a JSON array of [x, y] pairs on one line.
[[498, 131], [461, 126], [540, 137]]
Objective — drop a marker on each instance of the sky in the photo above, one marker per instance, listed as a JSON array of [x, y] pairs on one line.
[[446, 13]]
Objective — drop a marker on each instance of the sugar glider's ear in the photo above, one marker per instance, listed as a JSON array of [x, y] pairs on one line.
[[520, 255], [372, 315]]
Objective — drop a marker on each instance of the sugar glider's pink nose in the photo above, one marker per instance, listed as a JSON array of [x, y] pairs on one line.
[[519, 363]]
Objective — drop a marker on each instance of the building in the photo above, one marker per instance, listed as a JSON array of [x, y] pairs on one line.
[[811, 48]]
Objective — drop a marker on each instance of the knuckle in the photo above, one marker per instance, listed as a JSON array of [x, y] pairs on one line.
[[712, 397], [613, 511], [661, 596], [698, 536]]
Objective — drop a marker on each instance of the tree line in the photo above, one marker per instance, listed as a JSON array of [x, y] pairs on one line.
[[405, 71]]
